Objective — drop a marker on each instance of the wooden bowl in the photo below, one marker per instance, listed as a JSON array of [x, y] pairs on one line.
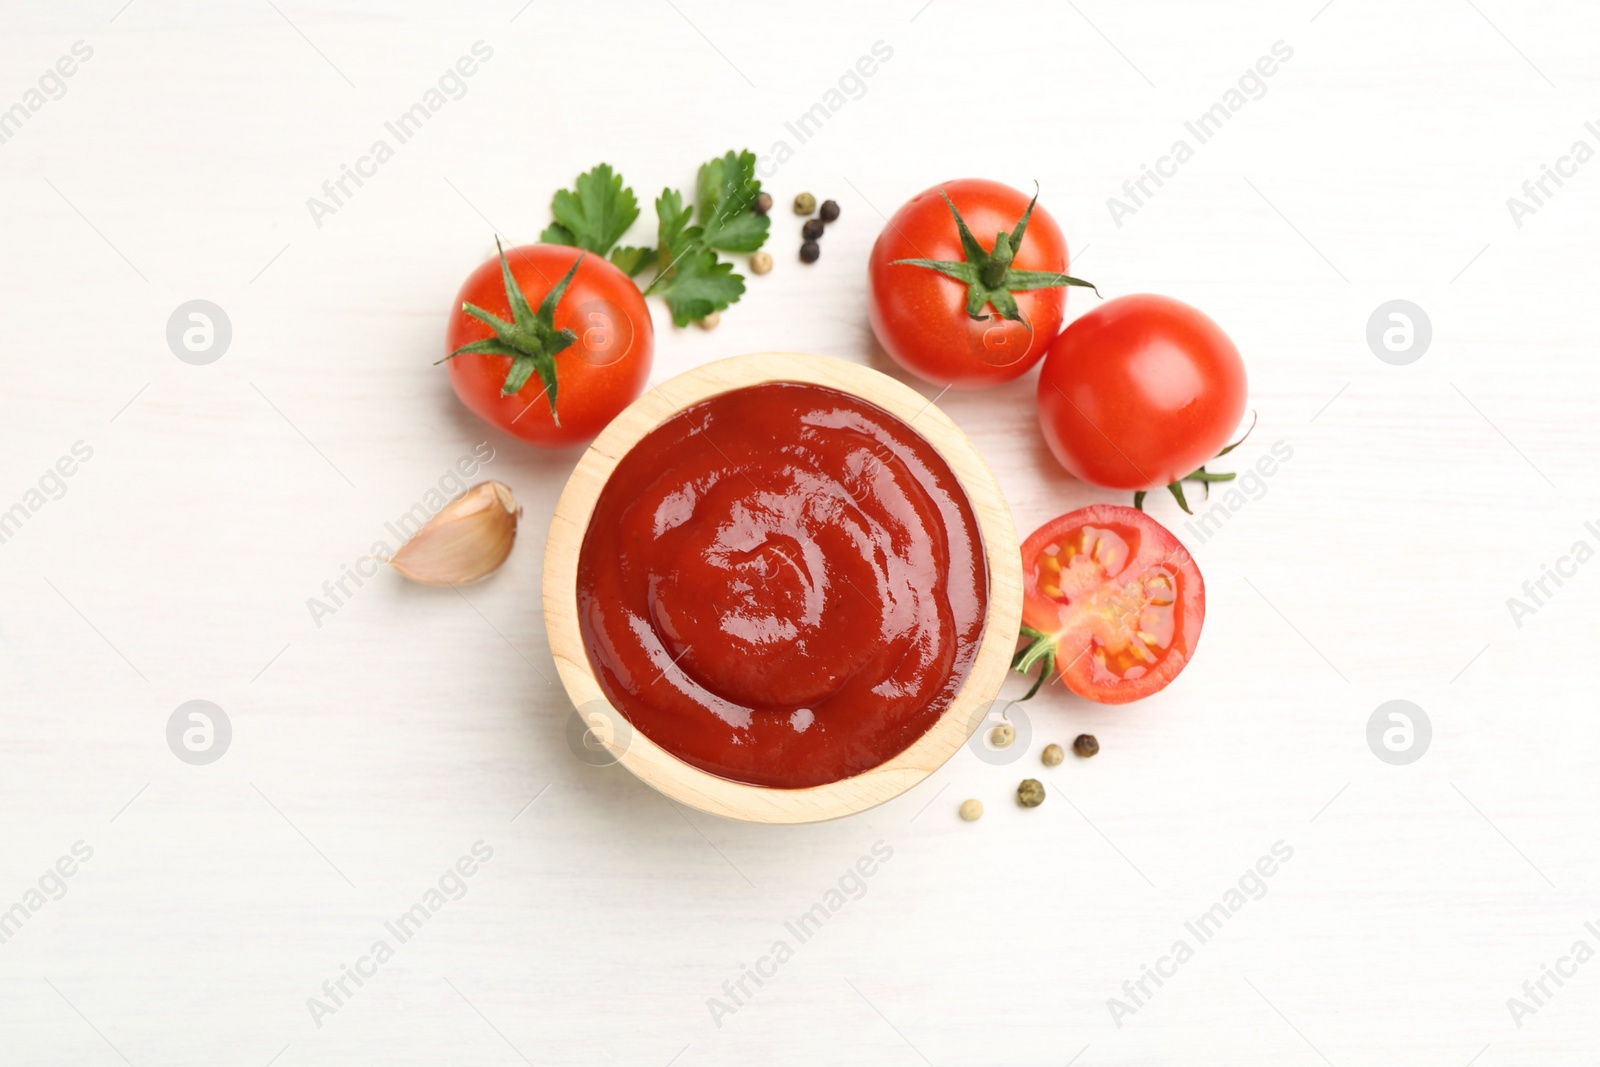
[[737, 800]]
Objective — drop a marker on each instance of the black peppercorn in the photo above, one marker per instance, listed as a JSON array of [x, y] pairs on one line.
[[763, 203], [812, 230], [829, 210], [810, 251], [1085, 745]]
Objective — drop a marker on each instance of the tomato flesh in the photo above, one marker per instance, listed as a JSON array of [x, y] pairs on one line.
[[1119, 597]]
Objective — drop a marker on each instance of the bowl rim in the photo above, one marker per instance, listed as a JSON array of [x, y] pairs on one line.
[[701, 789]]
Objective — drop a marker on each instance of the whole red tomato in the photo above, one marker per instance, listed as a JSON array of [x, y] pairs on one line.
[[1111, 602], [967, 283], [1140, 392], [549, 343]]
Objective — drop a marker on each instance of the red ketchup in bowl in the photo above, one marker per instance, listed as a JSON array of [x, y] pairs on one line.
[[782, 585]]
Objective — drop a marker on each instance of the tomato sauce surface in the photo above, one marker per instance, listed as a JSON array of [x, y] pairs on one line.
[[782, 585]]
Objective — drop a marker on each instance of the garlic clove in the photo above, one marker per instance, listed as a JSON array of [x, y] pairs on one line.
[[468, 539]]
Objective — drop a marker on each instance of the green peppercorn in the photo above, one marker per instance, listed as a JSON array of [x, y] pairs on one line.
[[1085, 745], [812, 230], [805, 204], [810, 251], [1030, 794], [829, 210], [763, 203]]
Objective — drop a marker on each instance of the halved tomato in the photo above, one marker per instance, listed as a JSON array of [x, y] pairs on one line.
[[1112, 601]]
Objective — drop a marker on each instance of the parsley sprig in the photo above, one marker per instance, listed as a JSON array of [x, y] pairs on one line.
[[689, 274]]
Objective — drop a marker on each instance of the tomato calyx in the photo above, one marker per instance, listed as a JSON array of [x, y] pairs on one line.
[[530, 339], [1201, 475], [988, 275], [1040, 649]]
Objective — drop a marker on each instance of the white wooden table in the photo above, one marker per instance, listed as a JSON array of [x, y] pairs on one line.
[[371, 752]]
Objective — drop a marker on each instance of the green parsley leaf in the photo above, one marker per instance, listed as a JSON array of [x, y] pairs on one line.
[[594, 214], [726, 192], [690, 278], [630, 259], [557, 234], [741, 233], [697, 285], [674, 234]]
